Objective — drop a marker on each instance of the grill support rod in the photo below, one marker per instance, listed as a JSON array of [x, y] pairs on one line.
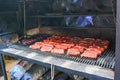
[[24, 8], [3, 66], [117, 53], [52, 71]]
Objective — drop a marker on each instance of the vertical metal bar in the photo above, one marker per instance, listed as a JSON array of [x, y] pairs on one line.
[[24, 18], [3, 66], [117, 54], [38, 21], [113, 10], [52, 71]]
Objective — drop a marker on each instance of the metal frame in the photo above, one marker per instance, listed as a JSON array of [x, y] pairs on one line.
[[24, 8], [3, 67], [117, 65], [52, 71], [89, 71]]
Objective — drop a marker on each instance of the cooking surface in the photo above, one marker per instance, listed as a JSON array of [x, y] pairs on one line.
[[75, 46], [106, 60], [103, 66], [61, 64]]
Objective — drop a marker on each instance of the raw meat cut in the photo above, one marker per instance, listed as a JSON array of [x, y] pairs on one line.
[[73, 52], [57, 51]]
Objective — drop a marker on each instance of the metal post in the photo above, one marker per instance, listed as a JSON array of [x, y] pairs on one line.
[[3, 66], [117, 53], [113, 10], [24, 18], [52, 71]]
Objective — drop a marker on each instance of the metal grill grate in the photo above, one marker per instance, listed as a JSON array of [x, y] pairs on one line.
[[106, 60]]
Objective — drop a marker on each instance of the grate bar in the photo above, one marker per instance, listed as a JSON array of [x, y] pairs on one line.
[[106, 60]]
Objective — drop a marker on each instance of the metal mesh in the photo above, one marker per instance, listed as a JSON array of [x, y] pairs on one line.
[[106, 60]]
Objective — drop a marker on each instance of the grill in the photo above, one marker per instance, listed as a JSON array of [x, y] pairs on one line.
[[53, 19], [106, 60]]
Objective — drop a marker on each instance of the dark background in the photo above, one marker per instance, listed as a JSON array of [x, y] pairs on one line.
[[11, 13]]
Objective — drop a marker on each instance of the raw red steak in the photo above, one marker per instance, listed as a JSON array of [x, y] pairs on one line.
[[57, 51], [89, 55], [89, 39], [34, 46], [80, 48], [53, 43], [73, 52], [84, 45], [46, 48], [97, 47], [95, 50], [47, 45], [64, 46], [37, 45]]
